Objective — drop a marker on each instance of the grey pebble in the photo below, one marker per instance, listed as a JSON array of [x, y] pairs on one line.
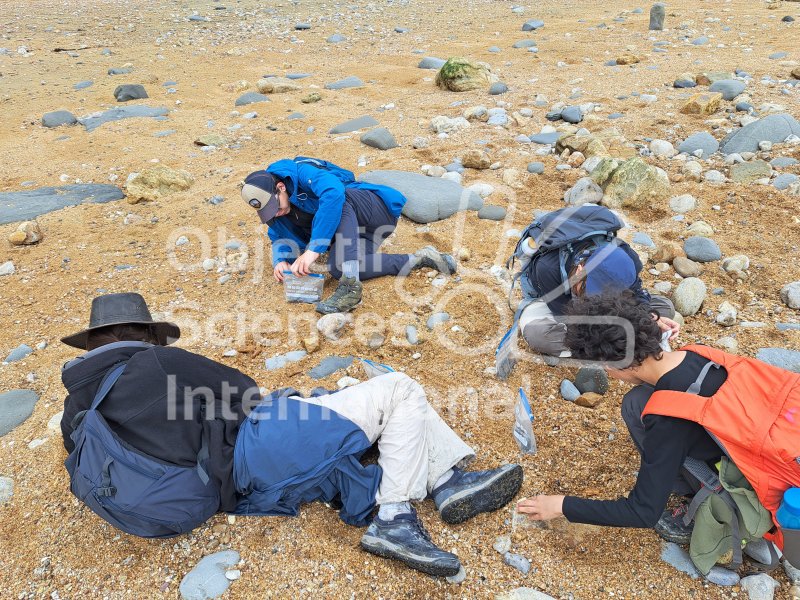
[[82, 85], [591, 379], [336, 38], [492, 213], [15, 408], [354, 124], [437, 318], [329, 366], [58, 118], [380, 138], [572, 114], [250, 98], [537, 168], [207, 579], [431, 62], [128, 92], [520, 563], [347, 82], [569, 391], [412, 335], [498, 88], [702, 249]]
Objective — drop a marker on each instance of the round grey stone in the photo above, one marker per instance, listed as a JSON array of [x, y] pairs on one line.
[[702, 249], [537, 168], [701, 140], [591, 379], [128, 92], [572, 114], [492, 213], [15, 408], [58, 118], [784, 180], [729, 88], [498, 88], [688, 297], [569, 391]]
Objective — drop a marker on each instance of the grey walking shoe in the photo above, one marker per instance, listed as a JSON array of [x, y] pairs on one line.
[[469, 493], [346, 297], [405, 539], [431, 258]]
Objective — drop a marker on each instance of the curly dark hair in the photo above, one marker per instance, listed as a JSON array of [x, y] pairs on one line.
[[609, 342]]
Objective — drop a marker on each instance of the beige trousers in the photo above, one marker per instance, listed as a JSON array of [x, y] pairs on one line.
[[416, 446]]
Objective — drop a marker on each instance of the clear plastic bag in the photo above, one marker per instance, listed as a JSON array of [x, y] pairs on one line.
[[303, 289], [505, 357], [523, 424], [373, 369]]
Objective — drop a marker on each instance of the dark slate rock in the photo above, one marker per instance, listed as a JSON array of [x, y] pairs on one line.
[[545, 138], [428, 199], [702, 249], [120, 71], [537, 168], [773, 128], [18, 353], [498, 88], [207, 580], [729, 88], [569, 391], [302, 26], [29, 204], [532, 25], [15, 408], [250, 98], [554, 115], [400, 30], [701, 41], [744, 107], [297, 75], [572, 114], [198, 18], [347, 82], [684, 83], [492, 213], [355, 124], [780, 357], [455, 166], [336, 38], [591, 379], [701, 140], [783, 161], [525, 44], [643, 239], [788, 19], [58, 118], [784, 180], [126, 112], [330, 365], [380, 138], [82, 85], [128, 92], [431, 62], [295, 116], [777, 55]]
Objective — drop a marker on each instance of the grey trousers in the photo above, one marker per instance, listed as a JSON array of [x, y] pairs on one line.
[[633, 404], [545, 334]]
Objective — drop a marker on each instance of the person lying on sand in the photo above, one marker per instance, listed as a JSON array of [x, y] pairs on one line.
[[312, 205], [697, 403], [160, 439]]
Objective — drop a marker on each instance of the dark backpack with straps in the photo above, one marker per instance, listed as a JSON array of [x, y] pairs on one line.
[[342, 174], [565, 231], [133, 491]]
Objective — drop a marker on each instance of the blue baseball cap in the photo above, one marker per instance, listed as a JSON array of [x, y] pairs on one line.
[[609, 271]]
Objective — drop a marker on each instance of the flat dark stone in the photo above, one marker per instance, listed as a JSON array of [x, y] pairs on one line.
[[120, 71], [250, 98], [545, 138], [297, 75], [781, 358], [354, 125], [58, 118], [126, 112], [330, 365], [431, 62], [29, 204], [82, 85], [130, 91], [347, 82], [15, 408]]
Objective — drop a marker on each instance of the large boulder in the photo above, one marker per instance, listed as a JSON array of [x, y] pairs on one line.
[[29, 204], [154, 182], [772, 128], [630, 184], [462, 75], [428, 198]]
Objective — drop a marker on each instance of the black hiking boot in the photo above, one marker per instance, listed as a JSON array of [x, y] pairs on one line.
[[346, 297], [469, 493], [672, 528], [405, 539]]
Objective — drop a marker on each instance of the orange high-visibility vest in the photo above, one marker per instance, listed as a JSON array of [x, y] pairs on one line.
[[754, 416]]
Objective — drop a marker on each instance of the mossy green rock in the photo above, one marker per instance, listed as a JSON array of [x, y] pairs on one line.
[[635, 184], [462, 75]]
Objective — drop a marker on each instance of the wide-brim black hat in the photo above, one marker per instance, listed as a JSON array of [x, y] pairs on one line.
[[123, 309]]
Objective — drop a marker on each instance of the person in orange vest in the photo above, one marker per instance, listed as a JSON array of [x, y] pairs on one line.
[[697, 402]]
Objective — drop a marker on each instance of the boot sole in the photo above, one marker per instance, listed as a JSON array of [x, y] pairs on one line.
[[316, 307], [492, 495], [386, 549], [668, 536]]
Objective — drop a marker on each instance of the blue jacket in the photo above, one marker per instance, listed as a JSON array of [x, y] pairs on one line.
[[289, 452], [320, 193]]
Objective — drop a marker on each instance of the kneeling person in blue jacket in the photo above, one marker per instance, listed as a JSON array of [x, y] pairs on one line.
[[266, 455], [311, 206]]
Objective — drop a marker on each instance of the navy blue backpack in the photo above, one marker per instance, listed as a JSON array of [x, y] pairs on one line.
[[132, 491]]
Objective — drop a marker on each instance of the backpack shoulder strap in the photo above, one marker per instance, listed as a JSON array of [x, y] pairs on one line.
[[108, 382]]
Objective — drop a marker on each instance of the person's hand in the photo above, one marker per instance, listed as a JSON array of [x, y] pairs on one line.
[[666, 324], [541, 508], [302, 266], [279, 269]]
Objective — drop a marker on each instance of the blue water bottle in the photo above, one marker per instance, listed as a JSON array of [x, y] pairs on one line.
[[789, 510]]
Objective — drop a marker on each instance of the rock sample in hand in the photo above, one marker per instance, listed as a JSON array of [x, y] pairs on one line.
[[462, 75]]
